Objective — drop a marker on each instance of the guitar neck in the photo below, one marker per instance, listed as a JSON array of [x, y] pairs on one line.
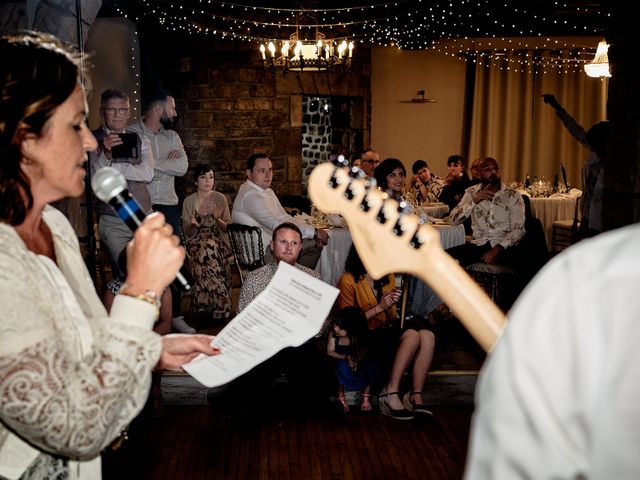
[[389, 241]]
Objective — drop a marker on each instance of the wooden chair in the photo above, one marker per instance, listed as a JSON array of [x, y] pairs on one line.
[[563, 232], [246, 244], [490, 277]]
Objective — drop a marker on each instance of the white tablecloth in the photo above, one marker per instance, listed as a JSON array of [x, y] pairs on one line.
[[433, 210], [548, 210], [450, 235], [437, 210], [331, 263]]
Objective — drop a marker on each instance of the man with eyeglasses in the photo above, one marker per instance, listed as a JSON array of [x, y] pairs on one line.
[[136, 164], [369, 160], [257, 205]]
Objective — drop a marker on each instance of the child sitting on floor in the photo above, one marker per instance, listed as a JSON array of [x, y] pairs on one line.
[[347, 344]]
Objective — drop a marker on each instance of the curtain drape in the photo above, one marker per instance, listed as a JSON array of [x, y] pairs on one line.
[[511, 123]]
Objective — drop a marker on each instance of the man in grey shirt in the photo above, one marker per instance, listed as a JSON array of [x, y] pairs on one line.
[[171, 159]]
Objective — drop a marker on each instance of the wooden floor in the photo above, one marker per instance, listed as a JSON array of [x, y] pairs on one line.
[[308, 440], [203, 442]]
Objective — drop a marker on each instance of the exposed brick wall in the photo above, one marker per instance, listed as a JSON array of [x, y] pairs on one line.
[[231, 107]]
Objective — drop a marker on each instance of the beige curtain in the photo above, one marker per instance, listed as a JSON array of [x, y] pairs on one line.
[[511, 123]]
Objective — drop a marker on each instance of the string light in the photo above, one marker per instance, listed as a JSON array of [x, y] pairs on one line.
[[441, 25]]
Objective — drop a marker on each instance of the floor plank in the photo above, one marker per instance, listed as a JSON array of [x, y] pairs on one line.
[[205, 442]]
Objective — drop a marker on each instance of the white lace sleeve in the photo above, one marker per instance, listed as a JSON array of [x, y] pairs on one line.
[[76, 408], [51, 394]]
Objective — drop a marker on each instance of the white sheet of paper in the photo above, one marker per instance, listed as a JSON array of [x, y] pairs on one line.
[[288, 312]]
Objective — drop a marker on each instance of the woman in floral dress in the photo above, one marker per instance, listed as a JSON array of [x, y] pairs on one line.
[[205, 216]]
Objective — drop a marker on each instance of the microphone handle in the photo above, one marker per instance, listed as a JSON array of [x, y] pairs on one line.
[[131, 213]]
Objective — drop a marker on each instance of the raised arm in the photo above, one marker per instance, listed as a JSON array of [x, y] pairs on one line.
[[570, 123]]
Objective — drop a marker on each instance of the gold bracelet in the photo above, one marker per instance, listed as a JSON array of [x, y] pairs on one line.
[[148, 296]]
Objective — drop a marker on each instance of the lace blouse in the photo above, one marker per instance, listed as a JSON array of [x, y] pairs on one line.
[[71, 376]]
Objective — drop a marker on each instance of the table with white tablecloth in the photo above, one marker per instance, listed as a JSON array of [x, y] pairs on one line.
[[423, 298], [331, 263], [432, 210], [550, 209]]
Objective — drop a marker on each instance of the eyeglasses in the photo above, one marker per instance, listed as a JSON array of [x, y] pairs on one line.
[[113, 111], [371, 162]]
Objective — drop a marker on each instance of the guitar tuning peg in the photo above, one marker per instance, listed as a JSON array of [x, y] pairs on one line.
[[403, 209], [356, 172], [380, 217], [348, 193], [416, 241], [340, 161], [371, 183], [364, 205]]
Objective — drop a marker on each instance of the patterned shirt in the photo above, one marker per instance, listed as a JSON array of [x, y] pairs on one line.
[[434, 187], [257, 281], [499, 221]]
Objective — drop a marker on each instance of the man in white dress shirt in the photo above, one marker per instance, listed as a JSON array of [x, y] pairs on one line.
[[257, 205]]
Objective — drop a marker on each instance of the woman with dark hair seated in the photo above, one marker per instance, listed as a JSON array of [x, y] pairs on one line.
[[391, 176], [205, 216], [377, 299]]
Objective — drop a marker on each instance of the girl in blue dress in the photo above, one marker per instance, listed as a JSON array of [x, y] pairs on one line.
[[347, 344]]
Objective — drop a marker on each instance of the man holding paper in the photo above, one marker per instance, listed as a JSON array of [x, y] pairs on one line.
[[281, 305]]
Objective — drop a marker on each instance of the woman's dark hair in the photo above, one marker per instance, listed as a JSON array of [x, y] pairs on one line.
[[37, 74], [201, 169], [355, 267], [385, 168], [353, 320]]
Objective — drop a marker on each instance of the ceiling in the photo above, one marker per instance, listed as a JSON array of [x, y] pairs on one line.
[[407, 24]]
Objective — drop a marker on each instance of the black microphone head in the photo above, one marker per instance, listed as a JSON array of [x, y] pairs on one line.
[[108, 182]]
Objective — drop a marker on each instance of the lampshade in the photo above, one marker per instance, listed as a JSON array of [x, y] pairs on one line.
[[599, 66]]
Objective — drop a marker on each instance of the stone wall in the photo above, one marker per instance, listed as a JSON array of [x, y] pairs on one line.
[[231, 107], [316, 133]]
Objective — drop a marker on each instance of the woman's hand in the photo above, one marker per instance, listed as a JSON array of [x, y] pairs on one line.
[[153, 256], [353, 365], [178, 349], [389, 299]]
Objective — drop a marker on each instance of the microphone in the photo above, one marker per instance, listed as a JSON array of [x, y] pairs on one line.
[[110, 186]]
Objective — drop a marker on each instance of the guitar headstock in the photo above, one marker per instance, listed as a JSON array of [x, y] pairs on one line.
[[387, 237], [390, 240]]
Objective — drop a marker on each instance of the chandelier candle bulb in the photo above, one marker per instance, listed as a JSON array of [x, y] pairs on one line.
[[272, 49], [262, 50], [350, 49]]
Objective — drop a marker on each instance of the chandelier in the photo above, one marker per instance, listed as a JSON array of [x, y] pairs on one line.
[[599, 66], [307, 54]]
